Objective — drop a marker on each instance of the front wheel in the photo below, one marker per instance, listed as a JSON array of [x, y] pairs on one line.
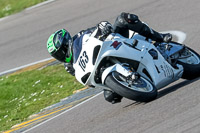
[[190, 60], [140, 90]]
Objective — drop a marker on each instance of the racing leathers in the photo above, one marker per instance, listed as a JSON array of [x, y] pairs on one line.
[[122, 25]]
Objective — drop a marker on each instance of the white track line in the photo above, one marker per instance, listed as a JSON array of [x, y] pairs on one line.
[[29, 8], [181, 37], [64, 112], [40, 4], [21, 67]]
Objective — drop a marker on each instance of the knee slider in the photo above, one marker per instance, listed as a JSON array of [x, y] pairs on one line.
[[108, 95], [112, 97], [130, 18]]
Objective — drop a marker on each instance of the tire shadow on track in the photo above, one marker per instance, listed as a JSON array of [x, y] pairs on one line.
[[175, 87], [165, 91], [134, 104]]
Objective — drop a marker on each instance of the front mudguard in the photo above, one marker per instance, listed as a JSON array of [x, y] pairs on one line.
[[117, 68]]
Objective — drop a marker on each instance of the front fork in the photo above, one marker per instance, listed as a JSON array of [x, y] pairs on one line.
[[122, 68]]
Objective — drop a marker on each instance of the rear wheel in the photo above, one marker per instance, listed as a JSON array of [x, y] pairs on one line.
[[190, 60], [140, 90]]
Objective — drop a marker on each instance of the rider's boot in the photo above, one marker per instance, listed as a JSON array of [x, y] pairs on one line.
[[132, 22], [112, 97], [167, 37]]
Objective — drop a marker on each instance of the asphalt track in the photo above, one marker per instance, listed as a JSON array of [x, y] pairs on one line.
[[177, 110]]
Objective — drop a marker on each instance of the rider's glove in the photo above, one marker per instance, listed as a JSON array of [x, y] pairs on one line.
[[69, 68], [105, 28]]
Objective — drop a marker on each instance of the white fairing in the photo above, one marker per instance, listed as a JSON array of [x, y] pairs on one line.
[[88, 44], [160, 72]]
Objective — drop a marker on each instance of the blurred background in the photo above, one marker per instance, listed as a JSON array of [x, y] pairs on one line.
[[23, 36]]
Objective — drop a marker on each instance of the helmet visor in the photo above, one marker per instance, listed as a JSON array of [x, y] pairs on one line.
[[58, 39]]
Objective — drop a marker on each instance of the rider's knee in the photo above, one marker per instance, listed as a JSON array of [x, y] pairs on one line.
[[112, 97], [130, 18]]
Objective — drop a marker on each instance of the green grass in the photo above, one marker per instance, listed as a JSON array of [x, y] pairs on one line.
[[27, 93], [24, 94], [8, 7]]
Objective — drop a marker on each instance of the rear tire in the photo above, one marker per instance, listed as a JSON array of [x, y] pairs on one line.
[[134, 92], [191, 71]]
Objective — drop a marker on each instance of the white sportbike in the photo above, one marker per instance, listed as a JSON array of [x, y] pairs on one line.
[[134, 68]]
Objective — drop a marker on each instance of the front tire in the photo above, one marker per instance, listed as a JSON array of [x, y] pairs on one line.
[[142, 90]]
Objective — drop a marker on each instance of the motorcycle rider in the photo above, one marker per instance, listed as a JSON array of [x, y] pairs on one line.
[[60, 43]]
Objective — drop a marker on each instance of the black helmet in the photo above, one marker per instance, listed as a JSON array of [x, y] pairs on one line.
[[59, 45]]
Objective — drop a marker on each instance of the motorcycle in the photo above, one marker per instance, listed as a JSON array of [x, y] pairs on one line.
[[134, 67]]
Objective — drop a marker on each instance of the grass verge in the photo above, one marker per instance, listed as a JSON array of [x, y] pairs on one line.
[[27, 93], [8, 7]]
